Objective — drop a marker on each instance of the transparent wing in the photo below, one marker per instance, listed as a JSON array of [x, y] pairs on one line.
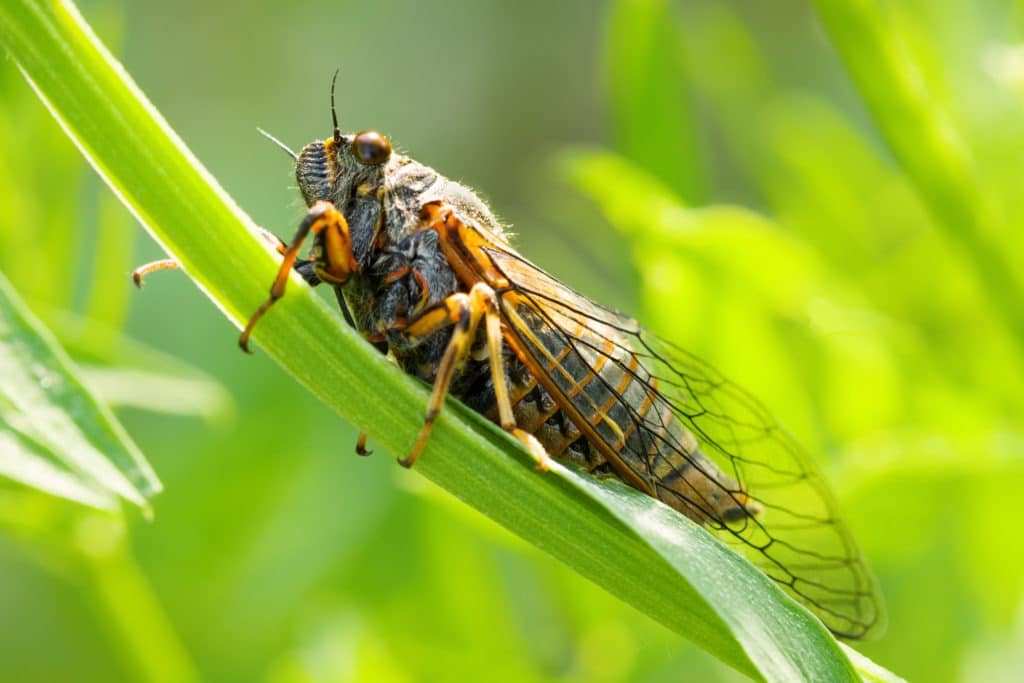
[[702, 444]]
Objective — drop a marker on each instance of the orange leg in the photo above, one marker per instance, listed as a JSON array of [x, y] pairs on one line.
[[465, 311], [361, 445], [323, 217], [501, 395]]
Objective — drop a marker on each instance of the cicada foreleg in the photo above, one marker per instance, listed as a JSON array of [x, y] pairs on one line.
[[465, 311], [323, 217]]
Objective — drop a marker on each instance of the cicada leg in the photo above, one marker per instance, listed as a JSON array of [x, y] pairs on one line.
[[465, 312], [307, 271], [143, 271], [361, 445], [323, 217], [500, 381]]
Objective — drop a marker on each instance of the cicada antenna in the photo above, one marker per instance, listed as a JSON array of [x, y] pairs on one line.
[[280, 144], [334, 113]]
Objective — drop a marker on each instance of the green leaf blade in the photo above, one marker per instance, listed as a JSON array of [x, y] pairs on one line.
[[55, 435], [783, 640]]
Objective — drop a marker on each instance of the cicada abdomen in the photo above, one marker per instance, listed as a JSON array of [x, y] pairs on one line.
[[590, 398]]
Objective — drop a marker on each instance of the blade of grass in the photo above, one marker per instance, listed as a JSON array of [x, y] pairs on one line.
[[127, 373], [925, 140], [54, 435], [160, 392], [868, 670], [717, 600]]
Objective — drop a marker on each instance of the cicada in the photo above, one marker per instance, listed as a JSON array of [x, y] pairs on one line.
[[423, 269]]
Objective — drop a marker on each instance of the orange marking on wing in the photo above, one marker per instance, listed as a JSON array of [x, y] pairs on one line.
[[557, 360], [602, 413], [569, 409], [580, 386], [642, 411]]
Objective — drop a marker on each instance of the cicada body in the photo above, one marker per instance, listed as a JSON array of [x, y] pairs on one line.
[[424, 270]]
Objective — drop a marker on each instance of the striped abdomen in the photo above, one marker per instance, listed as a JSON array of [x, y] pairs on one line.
[[588, 398]]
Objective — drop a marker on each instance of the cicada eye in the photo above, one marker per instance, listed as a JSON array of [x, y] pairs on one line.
[[371, 148]]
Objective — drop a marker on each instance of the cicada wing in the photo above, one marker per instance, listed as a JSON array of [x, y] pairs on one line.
[[695, 440], [798, 538]]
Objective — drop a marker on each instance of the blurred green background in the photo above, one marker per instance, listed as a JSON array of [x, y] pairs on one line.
[[843, 294]]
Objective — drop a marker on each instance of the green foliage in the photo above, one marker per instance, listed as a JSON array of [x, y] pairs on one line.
[[54, 435], [869, 295], [748, 622]]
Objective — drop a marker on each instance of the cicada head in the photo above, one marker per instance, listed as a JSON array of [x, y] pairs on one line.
[[329, 169]]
